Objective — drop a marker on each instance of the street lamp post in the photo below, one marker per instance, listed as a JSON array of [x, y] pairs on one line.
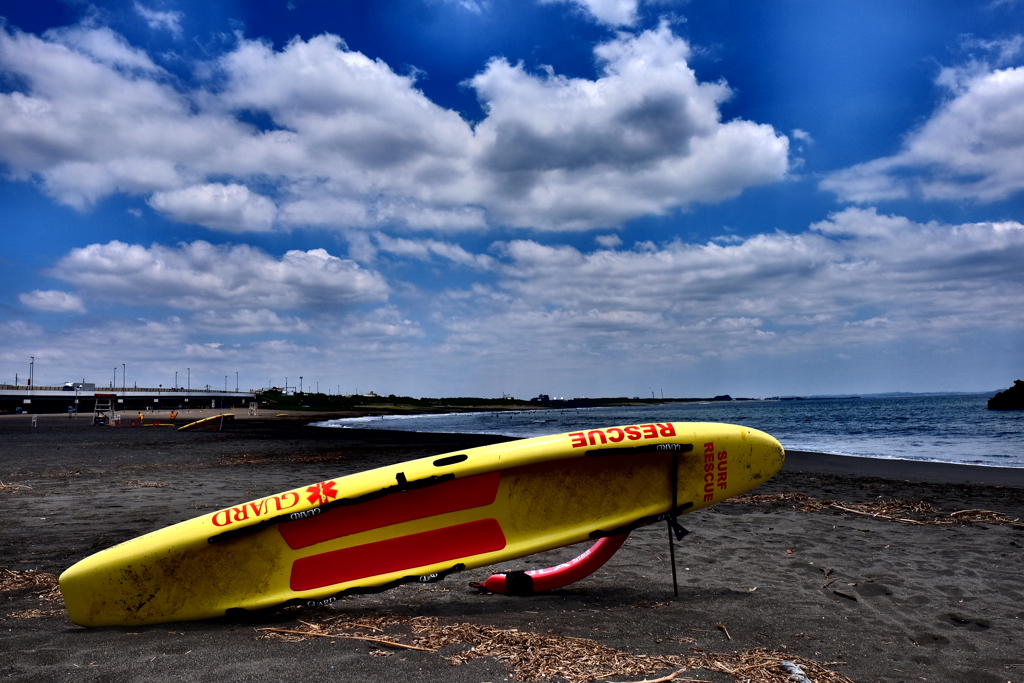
[[113, 385], [124, 378], [300, 384], [175, 379], [189, 370], [236, 381]]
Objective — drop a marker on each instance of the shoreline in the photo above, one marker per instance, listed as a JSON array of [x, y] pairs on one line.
[[815, 462], [922, 471]]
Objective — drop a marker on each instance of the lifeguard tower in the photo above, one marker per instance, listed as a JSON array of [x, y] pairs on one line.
[[103, 412]]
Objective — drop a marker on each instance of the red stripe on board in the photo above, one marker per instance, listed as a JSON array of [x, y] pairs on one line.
[[397, 554], [448, 496]]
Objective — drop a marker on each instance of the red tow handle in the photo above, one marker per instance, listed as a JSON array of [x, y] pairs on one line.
[[540, 580]]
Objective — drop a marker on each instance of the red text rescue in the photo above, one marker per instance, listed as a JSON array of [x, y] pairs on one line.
[[617, 434]]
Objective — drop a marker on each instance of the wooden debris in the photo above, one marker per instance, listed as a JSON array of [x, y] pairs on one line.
[[986, 517], [548, 657], [12, 579], [254, 459], [51, 594], [764, 666], [35, 613], [379, 641], [674, 676], [534, 656], [904, 511]]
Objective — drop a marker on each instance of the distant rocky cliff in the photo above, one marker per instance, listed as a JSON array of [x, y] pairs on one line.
[[1011, 399]]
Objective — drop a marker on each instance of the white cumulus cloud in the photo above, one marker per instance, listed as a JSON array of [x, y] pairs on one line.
[[248, 321], [859, 277], [230, 208], [972, 146], [646, 137], [200, 276], [54, 301], [349, 143], [860, 284], [168, 20], [609, 12], [424, 250]]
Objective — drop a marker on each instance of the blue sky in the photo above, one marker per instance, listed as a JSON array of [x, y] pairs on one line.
[[577, 197]]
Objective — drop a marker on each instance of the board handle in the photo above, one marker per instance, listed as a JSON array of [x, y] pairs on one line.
[[541, 580]]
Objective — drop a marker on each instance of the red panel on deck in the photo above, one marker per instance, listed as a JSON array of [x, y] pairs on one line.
[[448, 496], [397, 554]]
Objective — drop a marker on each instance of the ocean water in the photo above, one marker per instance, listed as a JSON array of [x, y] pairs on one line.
[[957, 429]]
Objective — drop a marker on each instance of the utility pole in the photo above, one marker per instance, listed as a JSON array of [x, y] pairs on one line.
[[236, 381], [300, 384], [189, 370], [124, 378]]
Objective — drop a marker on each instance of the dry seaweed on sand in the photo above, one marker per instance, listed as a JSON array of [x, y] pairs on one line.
[[764, 666], [46, 586], [905, 511], [35, 613], [12, 579], [51, 594], [254, 459], [536, 656], [325, 623], [986, 517], [548, 657]]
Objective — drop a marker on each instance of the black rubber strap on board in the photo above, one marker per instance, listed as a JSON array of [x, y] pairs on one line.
[[635, 450], [357, 590], [643, 521]]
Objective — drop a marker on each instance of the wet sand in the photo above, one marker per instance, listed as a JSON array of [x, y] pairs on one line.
[[882, 600]]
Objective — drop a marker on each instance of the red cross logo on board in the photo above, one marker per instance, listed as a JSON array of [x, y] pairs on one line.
[[322, 492]]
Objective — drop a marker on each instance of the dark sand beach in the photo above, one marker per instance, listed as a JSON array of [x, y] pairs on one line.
[[819, 566]]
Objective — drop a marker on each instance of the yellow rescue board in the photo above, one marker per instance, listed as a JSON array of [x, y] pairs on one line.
[[418, 521], [212, 423]]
